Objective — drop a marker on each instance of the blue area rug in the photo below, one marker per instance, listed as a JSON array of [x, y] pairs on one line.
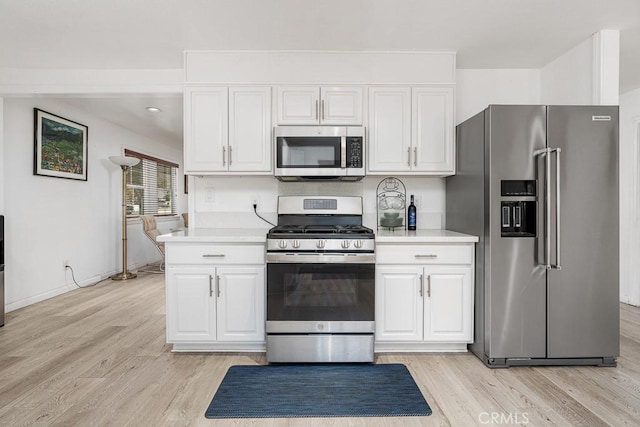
[[318, 390]]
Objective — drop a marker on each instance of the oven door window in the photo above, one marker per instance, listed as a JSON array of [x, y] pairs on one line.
[[308, 152], [320, 292]]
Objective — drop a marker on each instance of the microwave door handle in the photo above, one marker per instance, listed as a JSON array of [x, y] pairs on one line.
[[343, 152]]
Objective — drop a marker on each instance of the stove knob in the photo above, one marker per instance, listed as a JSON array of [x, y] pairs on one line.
[[282, 244], [345, 244], [295, 244], [358, 244], [320, 244]]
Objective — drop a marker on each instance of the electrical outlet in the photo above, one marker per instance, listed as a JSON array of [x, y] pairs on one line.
[[210, 195], [255, 200], [65, 264]]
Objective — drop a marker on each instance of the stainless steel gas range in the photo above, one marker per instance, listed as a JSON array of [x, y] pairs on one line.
[[320, 282]]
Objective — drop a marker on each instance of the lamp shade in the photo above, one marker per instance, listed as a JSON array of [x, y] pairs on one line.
[[124, 160]]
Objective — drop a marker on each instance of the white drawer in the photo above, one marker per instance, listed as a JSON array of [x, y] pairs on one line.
[[207, 253], [424, 254]]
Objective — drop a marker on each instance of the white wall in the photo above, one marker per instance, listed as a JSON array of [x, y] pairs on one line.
[[568, 79], [226, 201], [477, 88], [587, 74], [630, 197], [49, 220]]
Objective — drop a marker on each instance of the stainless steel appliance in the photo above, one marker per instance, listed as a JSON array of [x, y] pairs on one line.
[[539, 186], [319, 152], [1, 270], [320, 282]]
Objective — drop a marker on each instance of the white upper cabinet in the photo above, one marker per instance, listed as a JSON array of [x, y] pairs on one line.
[[249, 129], [432, 129], [389, 129], [206, 131], [411, 130], [325, 105], [341, 105], [227, 129]]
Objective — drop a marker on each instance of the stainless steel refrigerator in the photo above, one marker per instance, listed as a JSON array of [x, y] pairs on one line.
[[539, 186]]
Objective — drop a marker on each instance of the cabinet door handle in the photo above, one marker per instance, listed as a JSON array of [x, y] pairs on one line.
[[430, 256], [429, 286], [322, 109], [316, 109], [213, 256], [210, 285], [224, 154], [421, 285], [230, 148], [409, 156], [415, 156], [218, 293]]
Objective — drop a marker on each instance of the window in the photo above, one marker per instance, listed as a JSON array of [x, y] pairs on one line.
[[151, 186]]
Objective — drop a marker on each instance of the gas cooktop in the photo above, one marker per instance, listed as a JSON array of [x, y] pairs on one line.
[[360, 230]]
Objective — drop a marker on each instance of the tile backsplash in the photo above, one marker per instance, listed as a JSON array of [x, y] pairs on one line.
[[227, 201]]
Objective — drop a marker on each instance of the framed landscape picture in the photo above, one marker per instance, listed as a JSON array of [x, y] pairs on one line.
[[60, 147]]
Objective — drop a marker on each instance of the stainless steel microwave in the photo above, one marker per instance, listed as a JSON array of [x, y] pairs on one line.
[[319, 152]]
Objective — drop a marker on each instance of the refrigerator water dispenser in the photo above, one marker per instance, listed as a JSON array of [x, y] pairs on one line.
[[518, 216]]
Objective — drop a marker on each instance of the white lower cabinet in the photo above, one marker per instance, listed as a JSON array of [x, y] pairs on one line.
[[424, 297], [398, 305], [448, 304], [241, 302], [215, 307], [191, 310]]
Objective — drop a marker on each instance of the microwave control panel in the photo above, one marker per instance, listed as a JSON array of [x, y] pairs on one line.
[[355, 151]]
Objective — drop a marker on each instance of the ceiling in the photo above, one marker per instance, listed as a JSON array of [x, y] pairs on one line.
[[147, 34]]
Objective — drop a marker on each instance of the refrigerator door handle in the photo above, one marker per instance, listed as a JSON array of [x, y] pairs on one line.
[[547, 204], [557, 265]]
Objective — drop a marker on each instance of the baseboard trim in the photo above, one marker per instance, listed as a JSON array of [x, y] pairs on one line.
[[70, 286]]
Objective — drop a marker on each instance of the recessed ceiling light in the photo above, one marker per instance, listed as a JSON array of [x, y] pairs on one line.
[[153, 109]]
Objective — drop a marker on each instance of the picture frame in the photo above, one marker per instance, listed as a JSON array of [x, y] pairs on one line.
[[60, 147]]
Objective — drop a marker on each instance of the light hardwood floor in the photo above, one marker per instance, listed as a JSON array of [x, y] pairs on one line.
[[98, 356]]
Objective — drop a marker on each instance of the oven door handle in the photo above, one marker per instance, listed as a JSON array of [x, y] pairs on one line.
[[324, 258]]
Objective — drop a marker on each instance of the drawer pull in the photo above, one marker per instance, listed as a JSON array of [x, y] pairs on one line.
[[431, 256], [213, 256], [210, 285]]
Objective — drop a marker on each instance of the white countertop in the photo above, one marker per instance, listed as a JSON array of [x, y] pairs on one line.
[[212, 235], [423, 236], [259, 235]]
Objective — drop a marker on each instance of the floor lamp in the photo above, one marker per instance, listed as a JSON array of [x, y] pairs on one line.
[[125, 163]]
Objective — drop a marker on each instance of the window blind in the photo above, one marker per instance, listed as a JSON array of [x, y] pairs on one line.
[[151, 186]]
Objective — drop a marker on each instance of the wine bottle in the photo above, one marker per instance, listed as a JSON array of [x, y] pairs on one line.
[[412, 215]]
